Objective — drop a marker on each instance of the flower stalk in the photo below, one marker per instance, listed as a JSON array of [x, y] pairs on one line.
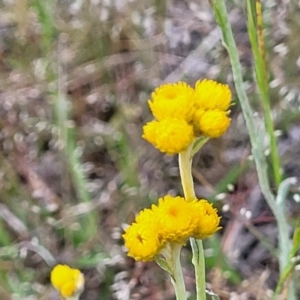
[[185, 167], [177, 276]]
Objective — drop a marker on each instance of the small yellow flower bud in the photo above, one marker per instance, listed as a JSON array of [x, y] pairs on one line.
[[207, 221], [213, 123], [210, 95], [173, 101], [170, 136], [67, 281]]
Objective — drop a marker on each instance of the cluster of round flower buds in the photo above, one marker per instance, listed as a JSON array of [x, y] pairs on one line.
[[183, 113]]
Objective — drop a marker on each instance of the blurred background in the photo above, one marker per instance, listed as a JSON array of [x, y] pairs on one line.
[[75, 77]]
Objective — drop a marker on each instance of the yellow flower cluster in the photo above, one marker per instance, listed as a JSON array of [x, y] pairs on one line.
[[182, 113], [173, 220], [67, 281]]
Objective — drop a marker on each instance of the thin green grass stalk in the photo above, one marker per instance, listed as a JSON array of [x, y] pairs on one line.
[[67, 139], [284, 278], [220, 261], [45, 11], [263, 239], [124, 157], [66, 128], [286, 254], [296, 240], [5, 239], [256, 137], [287, 273], [66, 135], [5, 291], [255, 32]]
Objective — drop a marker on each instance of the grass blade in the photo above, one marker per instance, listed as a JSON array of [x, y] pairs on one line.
[[255, 31]]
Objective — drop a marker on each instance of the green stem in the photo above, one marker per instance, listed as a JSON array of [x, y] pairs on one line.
[[198, 144], [255, 32], [177, 276], [282, 280], [199, 263], [185, 166], [285, 247], [185, 169]]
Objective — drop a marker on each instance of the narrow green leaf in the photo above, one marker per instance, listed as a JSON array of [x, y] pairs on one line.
[[163, 264], [255, 32], [296, 241]]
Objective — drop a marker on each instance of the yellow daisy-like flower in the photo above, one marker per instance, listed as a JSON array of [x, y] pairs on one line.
[[170, 136], [176, 219], [208, 219], [213, 123], [210, 95], [67, 281], [142, 241], [173, 101]]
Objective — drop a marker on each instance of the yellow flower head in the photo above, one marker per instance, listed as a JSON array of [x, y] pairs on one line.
[[212, 123], [170, 222], [175, 217], [169, 136], [142, 240], [208, 219], [67, 281], [173, 101], [212, 95]]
